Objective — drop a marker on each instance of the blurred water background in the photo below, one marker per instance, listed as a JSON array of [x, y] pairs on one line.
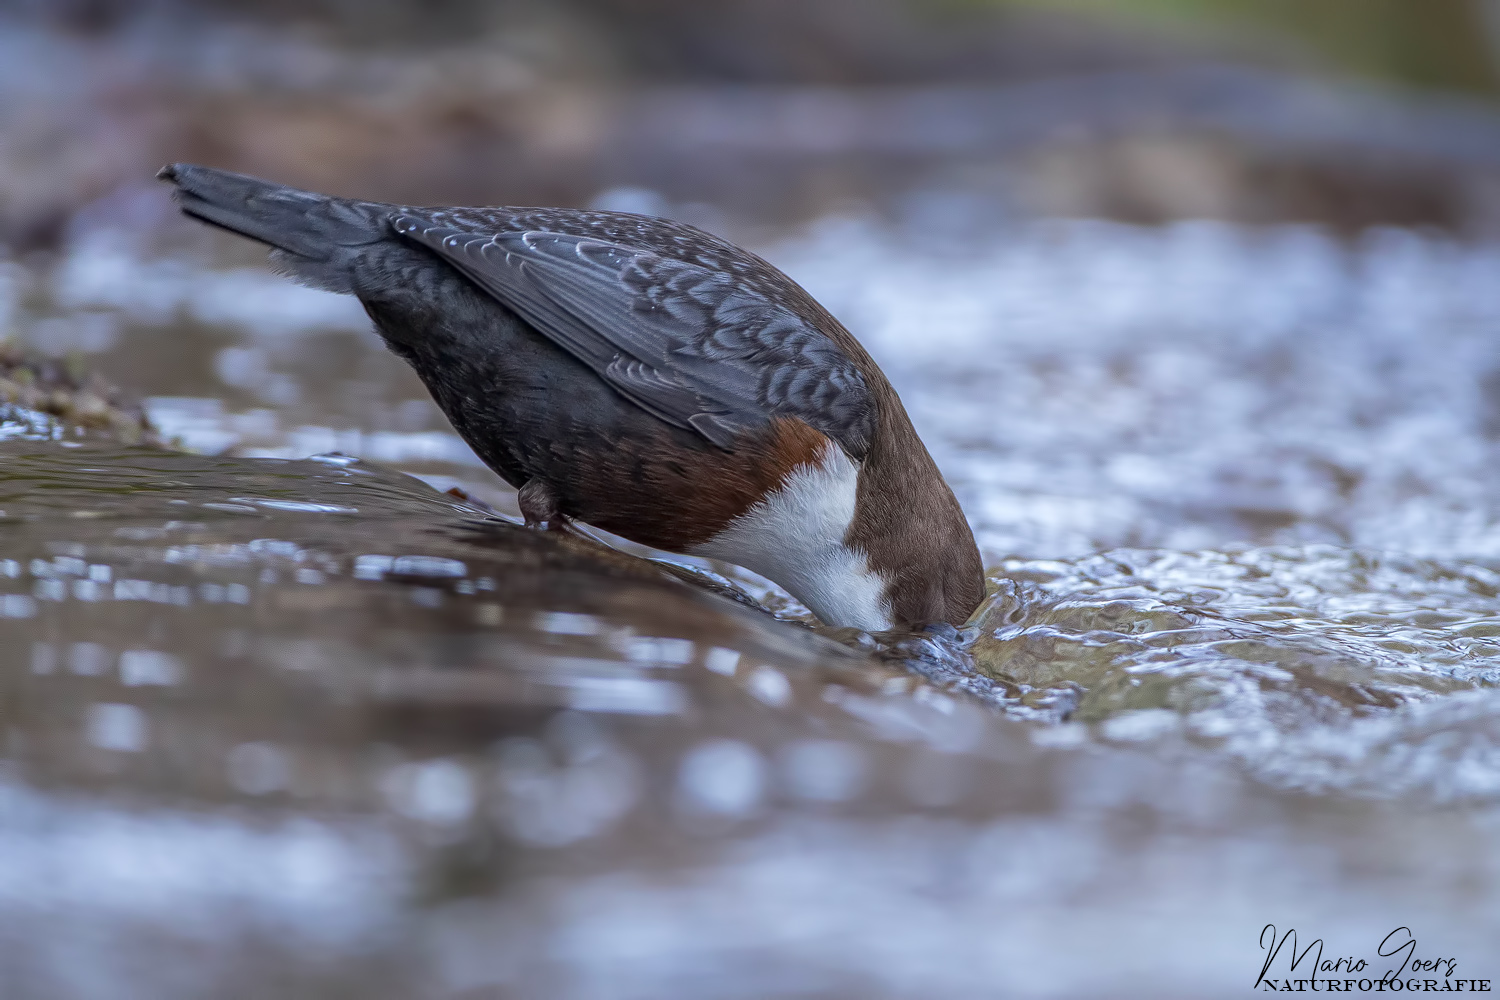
[[1194, 302]]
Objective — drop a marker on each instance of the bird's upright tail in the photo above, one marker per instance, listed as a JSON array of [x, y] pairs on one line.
[[313, 231]]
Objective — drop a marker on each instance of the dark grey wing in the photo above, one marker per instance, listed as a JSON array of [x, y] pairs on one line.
[[691, 345]]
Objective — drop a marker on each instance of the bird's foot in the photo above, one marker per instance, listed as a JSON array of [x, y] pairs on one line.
[[539, 506]]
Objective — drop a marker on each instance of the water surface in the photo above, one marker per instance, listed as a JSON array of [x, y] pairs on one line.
[[279, 720]]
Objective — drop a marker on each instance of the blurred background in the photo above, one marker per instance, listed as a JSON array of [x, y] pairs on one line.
[[1350, 112], [1193, 301]]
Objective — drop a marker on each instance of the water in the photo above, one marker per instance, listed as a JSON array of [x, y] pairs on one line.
[[302, 725], [1284, 445]]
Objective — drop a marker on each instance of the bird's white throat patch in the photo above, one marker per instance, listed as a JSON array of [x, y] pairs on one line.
[[795, 537]]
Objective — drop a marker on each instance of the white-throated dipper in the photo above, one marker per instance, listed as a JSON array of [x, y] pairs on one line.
[[646, 377]]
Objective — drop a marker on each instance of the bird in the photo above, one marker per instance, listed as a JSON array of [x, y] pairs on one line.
[[645, 377]]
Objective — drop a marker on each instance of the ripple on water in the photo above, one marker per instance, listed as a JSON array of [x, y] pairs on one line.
[[543, 773], [1300, 662]]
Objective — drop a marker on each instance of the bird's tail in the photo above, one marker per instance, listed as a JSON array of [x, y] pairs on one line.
[[312, 229]]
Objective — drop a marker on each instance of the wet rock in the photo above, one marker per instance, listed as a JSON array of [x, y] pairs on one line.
[[53, 396]]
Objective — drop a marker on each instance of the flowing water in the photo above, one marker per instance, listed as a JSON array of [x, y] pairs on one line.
[[279, 720]]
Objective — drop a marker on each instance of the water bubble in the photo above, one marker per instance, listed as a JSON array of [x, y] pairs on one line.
[[631, 695], [658, 649], [440, 792], [722, 661], [432, 566], [372, 567], [122, 728], [17, 606], [725, 777], [50, 590], [770, 687], [147, 666], [88, 590], [567, 623]]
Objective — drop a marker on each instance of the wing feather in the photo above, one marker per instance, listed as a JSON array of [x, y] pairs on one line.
[[693, 346]]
